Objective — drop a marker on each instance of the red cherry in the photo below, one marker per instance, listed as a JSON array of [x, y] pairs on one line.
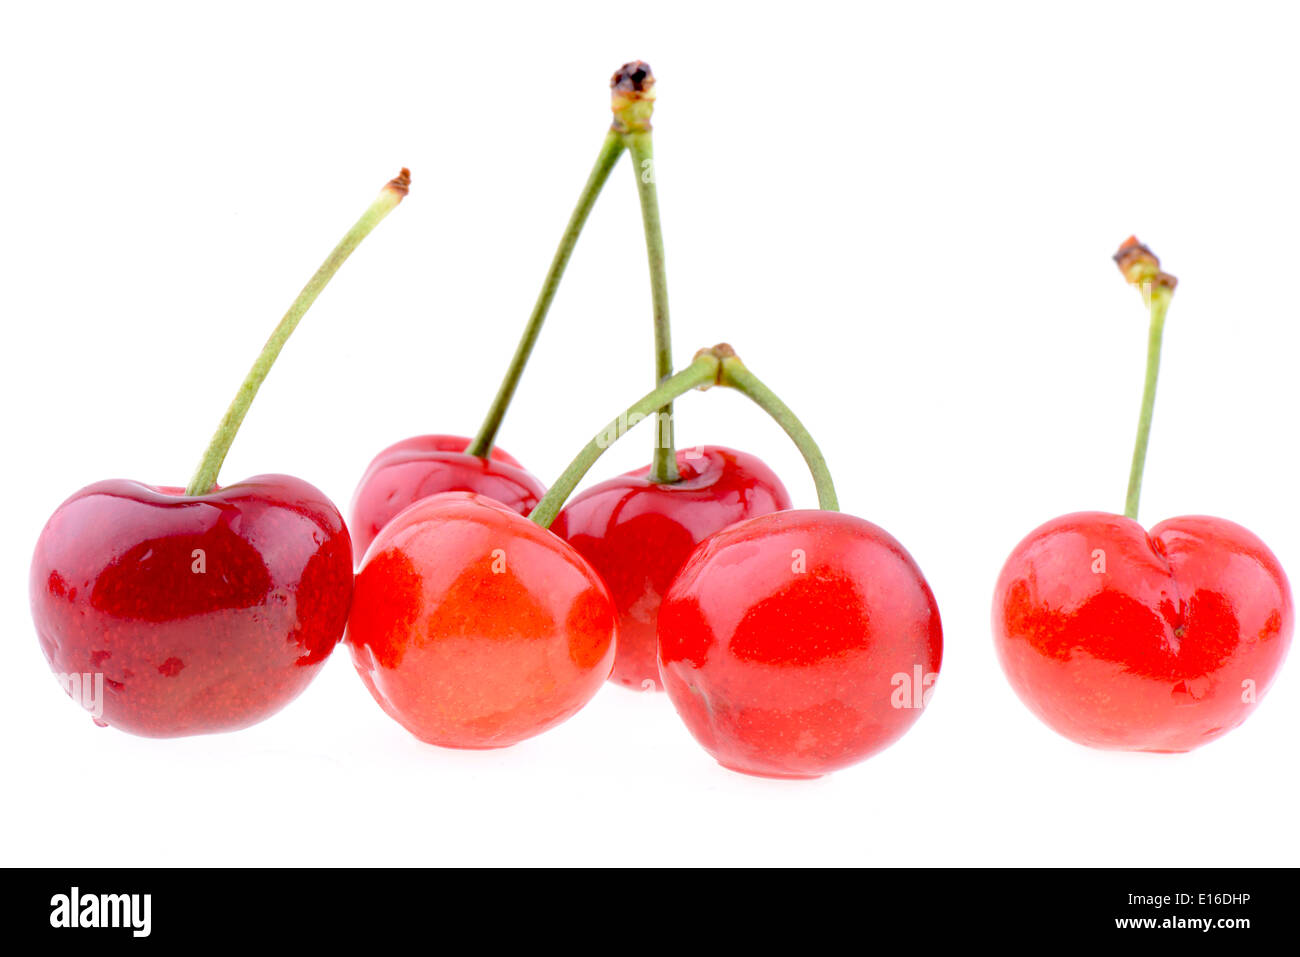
[[799, 642], [203, 609], [1120, 639], [474, 628], [638, 534], [202, 613], [425, 465]]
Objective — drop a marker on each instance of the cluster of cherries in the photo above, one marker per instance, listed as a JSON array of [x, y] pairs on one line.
[[483, 609]]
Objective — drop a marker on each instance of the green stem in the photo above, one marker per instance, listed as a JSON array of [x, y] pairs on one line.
[[663, 469], [610, 151], [205, 477], [735, 375], [702, 372], [716, 366], [1158, 302]]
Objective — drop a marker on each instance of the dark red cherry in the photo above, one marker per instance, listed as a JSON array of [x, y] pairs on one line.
[[193, 614]]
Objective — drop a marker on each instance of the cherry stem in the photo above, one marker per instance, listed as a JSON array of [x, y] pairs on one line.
[[633, 99], [1158, 303], [664, 468], [205, 477], [716, 366], [610, 151], [1141, 268], [736, 375], [703, 372]]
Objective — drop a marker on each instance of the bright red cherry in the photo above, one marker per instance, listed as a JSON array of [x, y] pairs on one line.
[[1160, 642], [637, 534], [201, 613], [425, 465], [799, 642], [1122, 639], [474, 628]]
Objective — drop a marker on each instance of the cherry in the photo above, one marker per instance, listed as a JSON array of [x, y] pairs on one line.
[[415, 468], [426, 465], [797, 643], [207, 609], [201, 613], [1119, 638], [638, 533], [474, 628]]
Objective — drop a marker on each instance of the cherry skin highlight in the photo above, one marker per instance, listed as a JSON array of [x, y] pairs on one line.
[[202, 613], [425, 465], [638, 534], [1125, 640], [800, 642], [475, 628]]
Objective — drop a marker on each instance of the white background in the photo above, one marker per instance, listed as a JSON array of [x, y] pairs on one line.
[[903, 219]]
